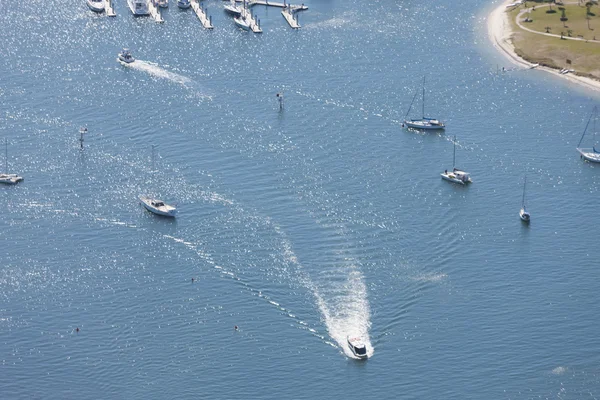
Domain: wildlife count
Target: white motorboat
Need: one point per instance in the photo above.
(7, 178)
(233, 8)
(424, 123)
(163, 3)
(126, 57)
(523, 214)
(456, 175)
(139, 7)
(588, 154)
(95, 5)
(184, 4)
(359, 349)
(158, 207)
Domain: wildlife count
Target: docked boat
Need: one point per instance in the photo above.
(233, 9)
(523, 214)
(184, 4)
(356, 345)
(5, 177)
(95, 5)
(425, 123)
(158, 207)
(456, 175)
(163, 3)
(126, 57)
(139, 7)
(242, 23)
(588, 154)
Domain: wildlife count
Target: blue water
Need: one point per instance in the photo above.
(301, 226)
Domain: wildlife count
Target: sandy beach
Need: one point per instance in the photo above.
(500, 32)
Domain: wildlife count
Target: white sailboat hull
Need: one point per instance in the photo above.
(524, 215)
(96, 6)
(241, 23)
(139, 7)
(589, 154)
(10, 179)
(425, 124)
(158, 207)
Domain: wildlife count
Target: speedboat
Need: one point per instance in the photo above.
(242, 23)
(457, 176)
(158, 207)
(139, 7)
(184, 4)
(126, 57)
(233, 8)
(10, 179)
(425, 123)
(163, 3)
(95, 5)
(357, 346)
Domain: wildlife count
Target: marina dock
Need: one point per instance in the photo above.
(204, 19)
(290, 17)
(155, 12)
(109, 9)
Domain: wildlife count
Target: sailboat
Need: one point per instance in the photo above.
(456, 175)
(233, 8)
(7, 178)
(425, 122)
(157, 206)
(523, 214)
(592, 154)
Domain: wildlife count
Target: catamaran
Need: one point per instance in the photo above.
(456, 175)
(592, 154)
(425, 123)
(7, 178)
(523, 214)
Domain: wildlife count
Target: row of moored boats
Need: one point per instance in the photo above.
(138, 7)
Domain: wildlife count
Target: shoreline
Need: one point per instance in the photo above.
(500, 32)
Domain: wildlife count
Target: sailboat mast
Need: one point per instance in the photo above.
(423, 106)
(524, 184)
(586, 125)
(6, 155)
(454, 156)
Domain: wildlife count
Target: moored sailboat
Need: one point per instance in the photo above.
(523, 214)
(425, 123)
(588, 154)
(456, 175)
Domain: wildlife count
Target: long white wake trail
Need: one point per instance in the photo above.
(158, 72)
(345, 308)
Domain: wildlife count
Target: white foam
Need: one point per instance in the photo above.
(559, 370)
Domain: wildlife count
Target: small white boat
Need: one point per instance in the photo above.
(126, 57)
(158, 207)
(456, 175)
(523, 214)
(163, 3)
(233, 8)
(184, 4)
(357, 346)
(424, 123)
(7, 178)
(139, 7)
(96, 5)
(588, 154)
(242, 23)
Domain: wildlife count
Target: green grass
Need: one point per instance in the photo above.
(553, 52)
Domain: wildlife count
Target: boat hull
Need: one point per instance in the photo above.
(233, 10)
(164, 211)
(241, 24)
(589, 155)
(96, 6)
(139, 7)
(524, 215)
(10, 179)
(184, 5)
(425, 124)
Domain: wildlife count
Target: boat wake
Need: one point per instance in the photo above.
(153, 69)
